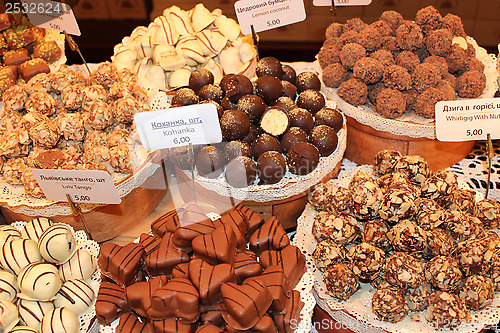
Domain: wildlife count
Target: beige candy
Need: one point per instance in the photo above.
(35, 228)
(31, 312)
(228, 27)
(23, 329)
(156, 78)
(144, 46)
(190, 48)
(8, 286)
(60, 320)
(247, 49)
(230, 61)
(166, 33)
(139, 31)
(211, 41)
(18, 253)
(11, 230)
(75, 295)
(180, 19)
(167, 57)
(216, 70)
(179, 78)
(216, 13)
(57, 244)
(142, 67)
(39, 281)
(8, 315)
(200, 17)
(81, 266)
(4, 238)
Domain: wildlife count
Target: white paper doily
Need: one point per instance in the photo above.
(88, 321)
(356, 313)
(411, 124)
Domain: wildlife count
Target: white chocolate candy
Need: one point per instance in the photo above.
(18, 253)
(60, 320)
(125, 57)
(35, 228)
(230, 61)
(142, 67)
(8, 315)
(190, 48)
(228, 27)
(57, 244)
(144, 46)
(179, 78)
(39, 281)
(139, 31)
(81, 266)
(216, 70)
(156, 78)
(165, 32)
(23, 329)
(211, 41)
(8, 286)
(167, 57)
(4, 238)
(247, 49)
(31, 312)
(11, 230)
(201, 17)
(180, 20)
(75, 295)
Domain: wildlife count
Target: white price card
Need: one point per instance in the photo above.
(83, 186)
(196, 124)
(268, 14)
(466, 120)
(342, 2)
(51, 15)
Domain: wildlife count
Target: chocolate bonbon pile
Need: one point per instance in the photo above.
(209, 277)
(421, 241)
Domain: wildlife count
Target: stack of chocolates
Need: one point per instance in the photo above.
(275, 124)
(196, 274)
(25, 50)
(64, 120)
(415, 235)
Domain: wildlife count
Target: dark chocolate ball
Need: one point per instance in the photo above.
(199, 78)
(253, 133)
(301, 118)
(184, 96)
(234, 149)
(271, 167)
(289, 74)
(227, 104)
(234, 125)
(330, 117)
(307, 80)
(210, 162)
(324, 138)
(241, 172)
(274, 121)
(302, 158)
(269, 88)
(291, 137)
(236, 86)
(311, 100)
(289, 89)
(211, 92)
(263, 143)
(286, 103)
(219, 108)
(253, 106)
(269, 66)
(179, 156)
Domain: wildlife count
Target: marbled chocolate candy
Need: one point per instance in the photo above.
(131, 323)
(162, 260)
(246, 265)
(110, 303)
(35, 228)
(270, 236)
(139, 294)
(57, 244)
(121, 263)
(216, 247)
(208, 279)
(39, 281)
(290, 259)
(16, 254)
(76, 295)
(289, 320)
(167, 222)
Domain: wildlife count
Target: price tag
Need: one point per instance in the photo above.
(342, 2)
(466, 120)
(51, 15)
(197, 124)
(83, 186)
(268, 14)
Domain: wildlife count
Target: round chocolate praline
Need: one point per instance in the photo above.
(253, 133)
(263, 143)
(286, 103)
(210, 162)
(302, 158)
(241, 172)
(324, 138)
(289, 74)
(269, 66)
(269, 88)
(253, 106)
(199, 78)
(234, 149)
(184, 96)
(311, 100)
(291, 137)
(274, 121)
(235, 86)
(307, 80)
(227, 104)
(234, 125)
(330, 117)
(220, 110)
(302, 118)
(289, 89)
(211, 92)
(271, 167)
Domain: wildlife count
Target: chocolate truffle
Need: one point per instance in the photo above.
(307, 80)
(302, 118)
(184, 96)
(409, 36)
(311, 100)
(227, 104)
(397, 77)
(445, 310)
(340, 281)
(324, 138)
(271, 166)
(353, 91)
(393, 18)
(367, 261)
(404, 271)
(425, 76)
(269, 66)
(39, 281)
(443, 273)
(368, 70)
(408, 60)
(426, 102)
(291, 137)
(390, 103)
(211, 92)
(350, 53)
(210, 162)
(234, 149)
(199, 78)
(471, 84)
(334, 74)
(269, 88)
(429, 19)
(385, 161)
(302, 158)
(274, 121)
(57, 244)
(289, 73)
(235, 125)
(263, 143)
(253, 133)
(253, 106)
(235, 86)
(241, 172)
(370, 38)
(286, 103)
(389, 304)
(289, 90)
(478, 292)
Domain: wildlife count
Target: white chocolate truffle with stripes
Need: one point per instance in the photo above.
(31, 312)
(4, 238)
(11, 230)
(81, 266)
(60, 320)
(57, 244)
(8, 286)
(39, 281)
(35, 228)
(23, 329)
(75, 295)
(18, 253)
(8, 315)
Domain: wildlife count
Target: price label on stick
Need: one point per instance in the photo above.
(342, 2)
(180, 126)
(83, 186)
(51, 15)
(466, 120)
(268, 14)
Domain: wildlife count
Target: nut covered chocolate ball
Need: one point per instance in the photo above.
(330, 117)
(241, 172)
(302, 158)
(184, 96)
(324, 138)
(271, 166)
(234, 125)
(253, 106)
(199, 78)
(210, 162)
(269, 88)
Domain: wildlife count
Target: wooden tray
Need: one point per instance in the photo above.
(364, 142)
